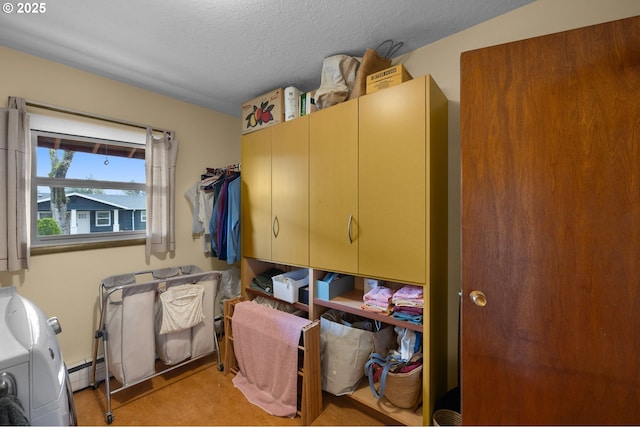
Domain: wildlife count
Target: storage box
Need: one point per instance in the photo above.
(334, 288)
(263, 111)
(286, 285)
(303, 295)
(386, 78)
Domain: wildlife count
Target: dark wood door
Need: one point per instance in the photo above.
(550, 147)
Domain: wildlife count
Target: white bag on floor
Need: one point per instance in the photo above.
(129, 328)
(177, 310)
(202, 334)
(344, 352)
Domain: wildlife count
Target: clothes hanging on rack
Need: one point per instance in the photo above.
(225, 221)
(215, 201)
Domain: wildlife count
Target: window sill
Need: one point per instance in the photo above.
(43, 250)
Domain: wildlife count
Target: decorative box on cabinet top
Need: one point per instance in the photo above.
(264, 111)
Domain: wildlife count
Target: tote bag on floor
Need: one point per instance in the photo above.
(344, 352)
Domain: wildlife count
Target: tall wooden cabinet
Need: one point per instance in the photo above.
(550, 145)
(256, 195)
(290, 192)
(333, 188)
(373, 176)
(275, 193)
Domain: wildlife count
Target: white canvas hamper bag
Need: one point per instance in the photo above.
(202, 334)
(177, 310)
(130, 348)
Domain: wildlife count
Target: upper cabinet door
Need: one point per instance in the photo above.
(290, 192)
(333, 187)
(256, 194)
(392, 183)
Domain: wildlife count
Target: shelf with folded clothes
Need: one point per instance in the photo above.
(351, 302)
(393, 303)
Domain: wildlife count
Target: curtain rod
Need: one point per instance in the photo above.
(96, 116)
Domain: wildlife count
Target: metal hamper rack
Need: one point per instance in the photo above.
(127, 296)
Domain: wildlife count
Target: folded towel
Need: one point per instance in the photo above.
(181, 307)
(379, 293)
(408, 295)
(11, 412)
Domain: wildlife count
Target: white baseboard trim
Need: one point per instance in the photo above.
(80, 373)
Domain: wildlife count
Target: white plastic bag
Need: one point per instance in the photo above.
(409, 342)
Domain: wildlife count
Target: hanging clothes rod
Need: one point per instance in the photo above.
(236, 167)
(95, 116)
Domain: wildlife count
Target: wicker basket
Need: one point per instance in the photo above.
(404, 389)
(446, 417)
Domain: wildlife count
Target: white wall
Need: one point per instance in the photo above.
(442, 60)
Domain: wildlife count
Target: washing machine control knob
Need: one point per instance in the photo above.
(55, 324)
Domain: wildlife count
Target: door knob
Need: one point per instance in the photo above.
(478, 298)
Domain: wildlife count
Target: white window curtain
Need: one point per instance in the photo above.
(161, 153)
(15, 186)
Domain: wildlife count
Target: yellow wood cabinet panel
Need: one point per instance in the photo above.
(392, 183)
(256, 194)
(290, 192)
(333, 188)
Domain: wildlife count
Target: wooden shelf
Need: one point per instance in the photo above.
(351, 302)
(364, 396)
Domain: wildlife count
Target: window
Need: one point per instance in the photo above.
(103, 218)
(87, 186)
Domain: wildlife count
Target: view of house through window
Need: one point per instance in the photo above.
(86, 189)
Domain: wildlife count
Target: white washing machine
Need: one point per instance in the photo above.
(31, 364)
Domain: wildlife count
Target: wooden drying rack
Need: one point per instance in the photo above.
(310, 384)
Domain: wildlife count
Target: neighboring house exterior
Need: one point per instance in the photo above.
(99, 213)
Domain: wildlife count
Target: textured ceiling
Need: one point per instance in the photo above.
(219, 53)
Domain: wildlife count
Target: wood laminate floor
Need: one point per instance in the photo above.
(199, 394)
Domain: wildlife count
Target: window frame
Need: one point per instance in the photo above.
(97, 220)
(56, 243)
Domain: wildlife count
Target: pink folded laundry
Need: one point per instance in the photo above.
(408, 292)
(379, 293)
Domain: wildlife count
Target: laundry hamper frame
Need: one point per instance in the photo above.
(131, 284)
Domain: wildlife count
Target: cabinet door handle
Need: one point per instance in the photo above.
(273, 226)
(349, 229)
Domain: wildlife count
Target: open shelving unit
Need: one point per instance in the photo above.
(349, 302)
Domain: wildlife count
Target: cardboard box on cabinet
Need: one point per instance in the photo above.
(386, 78)
(263, 111)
